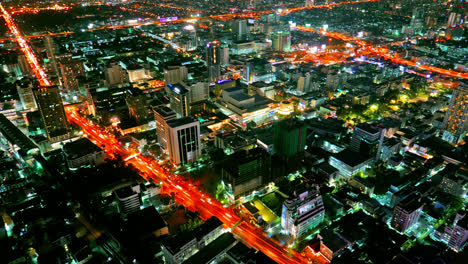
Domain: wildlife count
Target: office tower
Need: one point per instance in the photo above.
(224, 56)
(26, 95)
(137, 104)
(52, 113)
(24, 65)
(281, 41)
(367, 140)
(213, 53)
(105, 100)
(175, 74)
(189, 36)
(455, 124)
(162, 115)
(71, 69)
(50, 49)
(407, 212)
(179, 99)
(128, 200)
(199, 91)
(417, 20)
(289, 137)
(115, 75)
(239, 29)
(458, 233)
(303, 83)
(454, 20)
(213, 60)
(303, 210)
(245, 171)
(183, 140)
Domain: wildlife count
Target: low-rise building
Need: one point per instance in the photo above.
(81, 153)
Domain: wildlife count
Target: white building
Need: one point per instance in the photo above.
(183, 140)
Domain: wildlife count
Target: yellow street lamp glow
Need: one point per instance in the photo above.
(374, 107)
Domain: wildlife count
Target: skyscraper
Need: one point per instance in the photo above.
(367, 140)
(25, 92)
(137, 104)
(289, 137)
(213, 60)
(183, 140)
(455, 124)
(52, 113)
(281, 41)
(245, 171)
(179, 99)
(50, 49)
(239, 29)
(162, 115)
(303, 210)
(115, 74)
(24, 65)
(407, 213)
(70, 70)
(175, 74)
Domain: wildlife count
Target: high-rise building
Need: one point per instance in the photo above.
(24, 65)
(245, 171)
(137, 104)
(162, 115)
(302, 211)
(128, 200)
(199, 91)
(239, 29)
(26, 95)
(303, 83)
(224, 56)
(52, 112)
(455, 124)
(454, 19)
(289, 137)
(115, 74)
(458, 233)
(183, 140)
(417, 20)
(51, 54)
(407, 212)
(70, 70)
(281, 41)
(213, 60)
(179, 99)
(175, 74)
(367, 140)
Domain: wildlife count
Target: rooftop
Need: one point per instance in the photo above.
(80, 148)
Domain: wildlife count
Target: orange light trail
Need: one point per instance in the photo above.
(383, 52)
(185, 192)
(30, 57)
(191, 197)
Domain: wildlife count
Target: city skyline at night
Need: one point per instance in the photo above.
(247, 131)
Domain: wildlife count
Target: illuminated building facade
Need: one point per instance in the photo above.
(245, 171)
(281, 41)
(137, 104)
(52, 112)
(162, 115)
(367, 140)
(25, 93)
(180, 99)
(407, 213)
(183, 140)
(213, 60)
(455, 124)
(302, 211)
(115, 75)
(348, 162)
(175, 74)
(70, 70)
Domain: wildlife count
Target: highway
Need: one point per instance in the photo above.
(26, 49)
(383, 52)
(190, 196)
